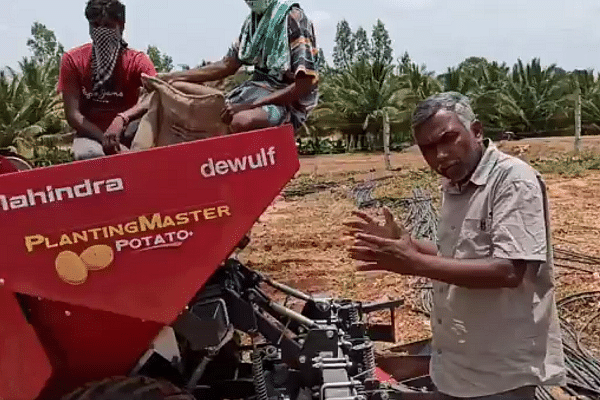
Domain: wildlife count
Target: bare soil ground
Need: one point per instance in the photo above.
(300, 239)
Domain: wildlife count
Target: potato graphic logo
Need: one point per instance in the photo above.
(70, 268)
(97, 257)
(73, 268)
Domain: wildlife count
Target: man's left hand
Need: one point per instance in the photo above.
(112, 136)
(383, 254)
(231, 109)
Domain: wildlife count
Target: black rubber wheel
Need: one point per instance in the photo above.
(129, 388)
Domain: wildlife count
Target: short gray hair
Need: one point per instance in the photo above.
(451, 101)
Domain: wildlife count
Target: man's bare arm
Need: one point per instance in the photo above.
(212, 72)
(425, 246)
(403, 257)
(485, 273)
(76, 120)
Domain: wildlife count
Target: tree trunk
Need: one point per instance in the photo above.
(386, 142)
(577, 118)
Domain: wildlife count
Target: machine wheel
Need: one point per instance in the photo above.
(129, 388)
(19, 163)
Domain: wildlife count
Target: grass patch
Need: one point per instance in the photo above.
(570, 165)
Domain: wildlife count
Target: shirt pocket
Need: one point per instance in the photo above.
(475, 240)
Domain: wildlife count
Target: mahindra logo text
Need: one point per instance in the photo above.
(35, 197)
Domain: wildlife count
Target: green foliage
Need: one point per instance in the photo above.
(345, 46)
(313, 146)
(533, 95)
(29, 104)
(416, 84)
(321, 62)
(569, 165)
(43, 44)
(162, 62)
(357, 96)
(45, 156)
(363, 47)
(381, 45)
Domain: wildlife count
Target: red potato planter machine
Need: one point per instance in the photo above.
(118, 282)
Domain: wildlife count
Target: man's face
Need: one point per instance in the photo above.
(107, 23)
(258, 6)
(448, 147)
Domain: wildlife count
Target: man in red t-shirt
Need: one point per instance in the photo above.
(100, 83)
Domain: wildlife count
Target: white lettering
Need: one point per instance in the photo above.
(18, 202)
(237, 164)
(264, 158)
(207, 170)
(31, 196)
(114, 185)
(120, 244)
(271, 154)
(83, 190)
(67, 190)
(258, 163)
(86, 188)
(221, 167)
(182, 235)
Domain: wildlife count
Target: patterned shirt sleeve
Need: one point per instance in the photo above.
(303, 44)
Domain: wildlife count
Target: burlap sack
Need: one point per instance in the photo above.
(175, 117)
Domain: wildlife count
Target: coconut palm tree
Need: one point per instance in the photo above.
(29, 105)
(533, 97)
(356, 99)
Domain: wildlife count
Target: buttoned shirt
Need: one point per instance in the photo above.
(488, 341)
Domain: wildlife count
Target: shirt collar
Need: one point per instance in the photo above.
(482, 172)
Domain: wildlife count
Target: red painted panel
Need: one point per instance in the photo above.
(136, 234)
(24, 367)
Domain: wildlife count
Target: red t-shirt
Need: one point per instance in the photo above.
(76, 74)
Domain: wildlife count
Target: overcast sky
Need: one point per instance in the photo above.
(439, 33)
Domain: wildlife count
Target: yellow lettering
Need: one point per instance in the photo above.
(65, 240)
(115, 230)
(95, 232)
(209, 213)
(168, 221)
(223, 210)
(182, 219)
(131, 227)
(195, 214)
(48, 245)
(150, 225)
(77, 236)
(105, 232)
(34, 240)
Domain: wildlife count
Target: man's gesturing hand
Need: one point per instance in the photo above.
(367, 225)
(382, 254)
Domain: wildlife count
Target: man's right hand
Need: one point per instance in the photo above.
(367, 225)
(112, 136)
(168, 77)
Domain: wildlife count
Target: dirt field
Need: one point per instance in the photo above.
(300, 239)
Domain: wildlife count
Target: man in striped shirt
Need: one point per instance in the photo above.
(278, 40)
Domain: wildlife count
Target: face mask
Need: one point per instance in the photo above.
(107, 44)
(258, 6)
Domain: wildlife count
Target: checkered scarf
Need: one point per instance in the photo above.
(106, 47)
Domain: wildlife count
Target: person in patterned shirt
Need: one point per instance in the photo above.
(278, 40)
